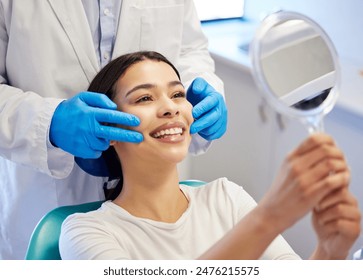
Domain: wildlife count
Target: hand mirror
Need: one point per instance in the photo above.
(296, 65)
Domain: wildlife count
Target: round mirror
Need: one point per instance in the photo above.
(296, 65)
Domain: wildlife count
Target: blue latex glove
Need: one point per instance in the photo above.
(209, 110)
(77, 125)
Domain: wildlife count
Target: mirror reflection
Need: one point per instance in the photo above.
(295, 63)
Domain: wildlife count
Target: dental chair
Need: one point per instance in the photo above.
(43, 243)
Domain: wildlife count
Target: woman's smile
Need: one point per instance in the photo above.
(170, 132)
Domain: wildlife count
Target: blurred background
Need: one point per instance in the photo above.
(258, 138)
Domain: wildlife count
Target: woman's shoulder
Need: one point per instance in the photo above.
(91, 217)
(218, 188)
(224, 182)
(220, 184)
(221, 196)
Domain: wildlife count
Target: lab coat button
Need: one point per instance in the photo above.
(106, 12)
(106, 55)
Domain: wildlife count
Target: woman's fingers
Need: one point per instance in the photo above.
(318, 163)
(339, 205)
(337, 196)
(320, 171)
(308, 175)
(340, 216)
(345, 228)
(312, 194)
(317, 150)
(311, 143)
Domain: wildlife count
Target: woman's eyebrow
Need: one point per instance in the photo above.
(175, 83)
(142, 86)
(150, 86)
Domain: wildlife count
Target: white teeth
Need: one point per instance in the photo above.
(170, 131)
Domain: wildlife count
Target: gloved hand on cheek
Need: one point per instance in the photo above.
(209, 110)
(78, 125)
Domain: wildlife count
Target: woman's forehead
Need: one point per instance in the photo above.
(147, 71)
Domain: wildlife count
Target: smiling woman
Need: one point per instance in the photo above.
(135, 87)
(154, 217)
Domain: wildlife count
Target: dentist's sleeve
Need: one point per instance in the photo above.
(195, 61)
(24, 124)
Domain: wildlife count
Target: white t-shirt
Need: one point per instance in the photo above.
(112, 233)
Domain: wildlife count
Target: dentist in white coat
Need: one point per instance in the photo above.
(49, 52)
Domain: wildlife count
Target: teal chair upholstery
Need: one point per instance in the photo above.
(43, 243)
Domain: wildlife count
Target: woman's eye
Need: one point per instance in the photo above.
(143, 99)
(179, 94)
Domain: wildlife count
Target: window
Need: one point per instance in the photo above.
(219, 9)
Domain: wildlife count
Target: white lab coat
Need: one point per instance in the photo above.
(47, 55)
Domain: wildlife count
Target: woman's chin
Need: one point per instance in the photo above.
(174, 156)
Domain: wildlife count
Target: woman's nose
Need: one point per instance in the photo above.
(168, 108)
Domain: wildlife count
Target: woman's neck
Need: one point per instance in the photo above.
(153, 193)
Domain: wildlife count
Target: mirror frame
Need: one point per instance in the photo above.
(266, 25)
